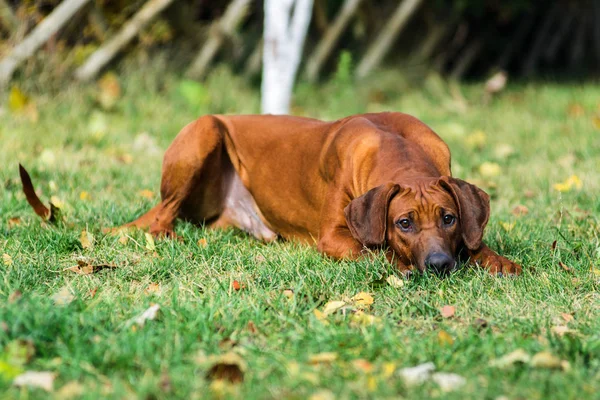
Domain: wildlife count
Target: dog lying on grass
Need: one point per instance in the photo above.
(371, 181)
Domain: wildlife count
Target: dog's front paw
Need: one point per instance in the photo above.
(501, 266)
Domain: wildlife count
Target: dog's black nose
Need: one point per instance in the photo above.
(439, 262)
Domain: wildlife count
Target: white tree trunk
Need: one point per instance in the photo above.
(40, 34)
(286, 24)
(106, 52)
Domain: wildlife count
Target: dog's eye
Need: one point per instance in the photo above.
(449, 219)
(404, 224)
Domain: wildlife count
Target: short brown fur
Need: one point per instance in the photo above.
(345, 186)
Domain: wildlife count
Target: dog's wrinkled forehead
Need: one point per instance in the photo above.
(425, 196)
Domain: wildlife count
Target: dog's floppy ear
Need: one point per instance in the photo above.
(473, 208)
(366, 215)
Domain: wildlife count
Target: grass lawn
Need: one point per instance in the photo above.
(102, 167)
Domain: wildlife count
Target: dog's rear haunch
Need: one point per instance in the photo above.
(371, 181)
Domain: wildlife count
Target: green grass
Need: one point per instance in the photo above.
(92, 342)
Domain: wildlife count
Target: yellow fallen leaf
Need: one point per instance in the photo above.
(371, 383)
(575, 110)
(388, 369)
(545, 359)
(57, 202)
(503, 151)
(148, 194)
(361, 318)
(490, 169)
(84, 195)
(332, 307)
(517, 356)
(572, 182)
(323, 358)
(7, 259)
(596, 122)
(508, 226)
(322, 394)
(86, 239)
(149, 242)
(110, 90)
(17, 100)
(363, 299)
(445, 339)
(123, 238)
(476, 140)
(320, 316)
(394, 281)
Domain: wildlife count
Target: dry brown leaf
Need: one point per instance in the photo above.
(47, 214)
(37, 379)
(229, 367)
(567, 317)
(251, 326)
(520, 210)
(14, 296)
(363, 365)
(109, 90)
(323, 358)
(565, 268)
(447, 311)
(202, 242)
(83, 267)
(14, 221)
(575, 110)
(153, 288)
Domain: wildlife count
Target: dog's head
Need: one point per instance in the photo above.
(425, 223)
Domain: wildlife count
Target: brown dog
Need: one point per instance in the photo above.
(362, 182)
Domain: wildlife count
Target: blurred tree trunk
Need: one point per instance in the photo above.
(330, 38)
(285, 27)
(234, 15)
(40, 34)
(382, 44)
(106, 52)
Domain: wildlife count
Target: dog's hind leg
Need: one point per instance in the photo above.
(191, 183)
